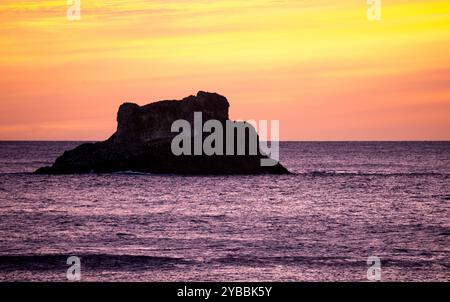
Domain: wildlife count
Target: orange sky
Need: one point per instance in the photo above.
(320, 67)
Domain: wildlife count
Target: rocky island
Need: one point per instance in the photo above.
(143, 143)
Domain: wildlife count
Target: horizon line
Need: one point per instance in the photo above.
(281, 141)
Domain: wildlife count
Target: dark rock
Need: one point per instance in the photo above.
(142, 143)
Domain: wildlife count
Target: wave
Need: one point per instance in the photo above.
(309, 173)
(26, 162)
(55, 262)
(334, 261)
(407, 174)
(130, 263)
(131, 173)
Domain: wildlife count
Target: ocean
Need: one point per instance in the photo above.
(344, 202)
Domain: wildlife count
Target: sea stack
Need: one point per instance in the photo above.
(143, 143)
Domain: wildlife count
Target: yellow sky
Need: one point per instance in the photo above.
(320, 67)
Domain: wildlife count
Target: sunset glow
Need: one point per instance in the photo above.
(320, 67)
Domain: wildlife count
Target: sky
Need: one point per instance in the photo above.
(320, 67)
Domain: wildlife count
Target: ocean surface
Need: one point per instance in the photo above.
(346, 201)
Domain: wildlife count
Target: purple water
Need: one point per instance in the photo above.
(346, 201)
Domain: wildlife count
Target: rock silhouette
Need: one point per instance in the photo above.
(142, 143)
